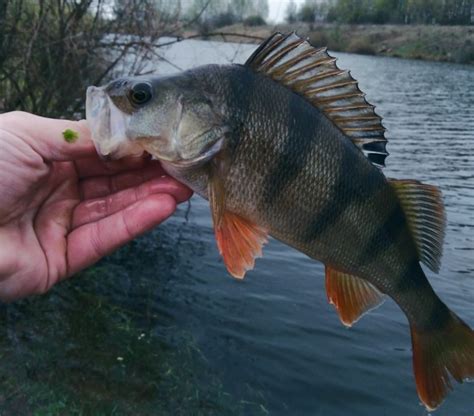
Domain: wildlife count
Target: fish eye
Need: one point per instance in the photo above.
(140, 93)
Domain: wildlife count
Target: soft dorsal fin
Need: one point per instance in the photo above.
(350, 295)
(424, 210)
(313, 73)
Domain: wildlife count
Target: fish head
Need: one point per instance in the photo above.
(172, 118)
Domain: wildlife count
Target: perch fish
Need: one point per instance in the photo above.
(286, 145)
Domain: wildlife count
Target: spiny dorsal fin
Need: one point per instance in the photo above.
(424, 209)
(350, 295)
(313, 73)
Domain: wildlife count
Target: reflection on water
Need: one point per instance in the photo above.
(160, 328)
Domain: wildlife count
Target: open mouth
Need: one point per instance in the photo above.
(108, 126)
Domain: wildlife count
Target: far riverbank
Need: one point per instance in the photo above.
(426, 42)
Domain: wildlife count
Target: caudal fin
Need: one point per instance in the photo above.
(438, 353)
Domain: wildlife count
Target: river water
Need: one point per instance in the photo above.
(161, 328)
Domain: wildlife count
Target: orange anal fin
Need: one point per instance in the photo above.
(239, 242)
(351, 295)
(438, 353)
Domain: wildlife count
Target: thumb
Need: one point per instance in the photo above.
(47, 136)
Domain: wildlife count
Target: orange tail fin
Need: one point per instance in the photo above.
(438, 353)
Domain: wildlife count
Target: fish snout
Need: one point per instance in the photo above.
(108, 125)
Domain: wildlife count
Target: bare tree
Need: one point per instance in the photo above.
(50, 50)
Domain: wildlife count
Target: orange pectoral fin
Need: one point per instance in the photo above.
(239, 242)
(351, 295)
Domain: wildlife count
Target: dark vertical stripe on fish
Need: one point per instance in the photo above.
(413, 281)
(391, 232)
(439, 317)
(340, 201)
(412, 277)
(241, 88)
(296, 149)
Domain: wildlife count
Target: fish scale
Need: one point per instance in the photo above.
(286, 145)
(312, 151)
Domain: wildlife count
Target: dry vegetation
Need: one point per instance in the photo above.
(51, 50)
(429, 42)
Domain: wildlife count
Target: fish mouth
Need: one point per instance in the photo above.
(108, 126)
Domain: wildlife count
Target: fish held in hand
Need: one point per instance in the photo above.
(286, 145)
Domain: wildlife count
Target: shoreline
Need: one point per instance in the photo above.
(453, 44)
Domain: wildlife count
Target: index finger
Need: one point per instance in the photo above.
(95, 166)
(46, 135)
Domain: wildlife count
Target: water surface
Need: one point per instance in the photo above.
(160, 327)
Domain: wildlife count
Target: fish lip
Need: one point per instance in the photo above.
(108, 125)
(95, 107)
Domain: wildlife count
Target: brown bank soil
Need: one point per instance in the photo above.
(427, 42)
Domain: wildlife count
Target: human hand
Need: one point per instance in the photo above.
(62, 208)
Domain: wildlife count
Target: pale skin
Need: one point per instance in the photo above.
(62, 208)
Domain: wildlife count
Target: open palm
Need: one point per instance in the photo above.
(62, 208)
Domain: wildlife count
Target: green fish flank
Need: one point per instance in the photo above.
(287, 146)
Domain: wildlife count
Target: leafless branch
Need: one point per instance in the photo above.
(224, 36)
(50, 50)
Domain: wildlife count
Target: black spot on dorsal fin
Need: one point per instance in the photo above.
(313, 73)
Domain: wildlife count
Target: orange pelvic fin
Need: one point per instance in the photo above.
(351, 295)
(239, 242)
(438, 353)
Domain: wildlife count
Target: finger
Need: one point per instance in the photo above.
(93, 210)
(45, 135)
(95, 166)
(91, 242)
(106, 185)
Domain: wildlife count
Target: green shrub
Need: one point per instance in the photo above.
(221, 20)
(254, 21)
(318, 38)
(363, 46)
(465, 55)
